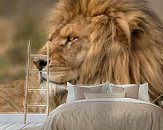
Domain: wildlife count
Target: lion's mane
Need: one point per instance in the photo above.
(127, 42)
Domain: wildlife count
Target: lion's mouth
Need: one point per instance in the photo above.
(43, 78)
(59, 77)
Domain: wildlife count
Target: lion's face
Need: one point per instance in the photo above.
(68, 48)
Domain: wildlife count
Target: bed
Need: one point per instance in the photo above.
(106, 114)
(106, 107)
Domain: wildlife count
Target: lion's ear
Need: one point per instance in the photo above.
(132, 26)
(137, 24)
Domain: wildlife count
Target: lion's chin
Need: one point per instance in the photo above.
(53, 87)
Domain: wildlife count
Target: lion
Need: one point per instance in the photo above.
(98, 41)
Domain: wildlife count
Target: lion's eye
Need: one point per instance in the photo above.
(70, 39)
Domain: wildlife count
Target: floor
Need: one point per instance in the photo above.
(15, 121)
(17, 126)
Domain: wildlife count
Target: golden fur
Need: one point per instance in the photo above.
(97, 41)
(11, 96)
(119, 41)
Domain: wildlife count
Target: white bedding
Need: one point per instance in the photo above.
(106, 114)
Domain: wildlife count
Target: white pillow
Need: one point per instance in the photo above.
(104, 95)
(143, 91)
(71, 90)
(71, 93)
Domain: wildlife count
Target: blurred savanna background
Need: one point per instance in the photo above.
(20, 21)
(24, 20)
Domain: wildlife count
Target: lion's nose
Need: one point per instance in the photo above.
(40, 63)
